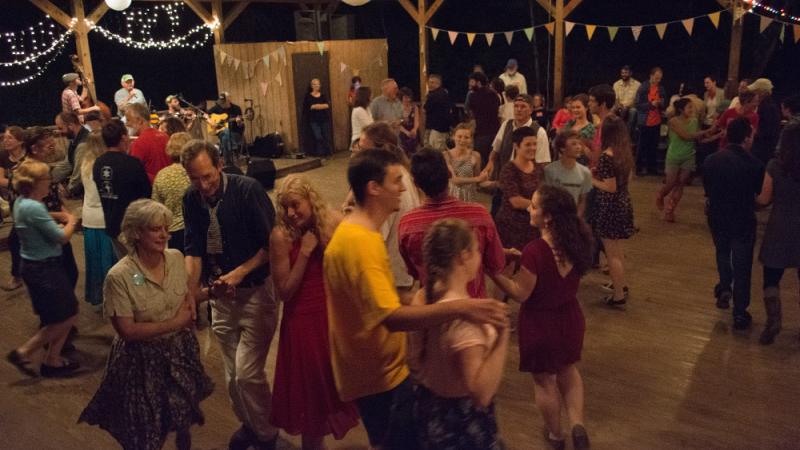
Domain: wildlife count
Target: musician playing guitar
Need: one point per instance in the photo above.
(231, 137)
(70, 100)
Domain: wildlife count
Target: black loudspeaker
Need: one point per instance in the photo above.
(263, 170)
(269, 146)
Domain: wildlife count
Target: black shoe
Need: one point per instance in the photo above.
(724, 299)
(21, 364)
(742, 321)
(63, 371)
(611, 301)
(242, 439)
(555, 444)
(610, 288)
(580, 439)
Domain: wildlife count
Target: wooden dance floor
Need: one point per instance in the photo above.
(669, 372)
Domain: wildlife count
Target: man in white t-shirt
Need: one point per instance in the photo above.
(511, 76)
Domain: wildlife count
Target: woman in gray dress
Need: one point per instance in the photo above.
(780, 248)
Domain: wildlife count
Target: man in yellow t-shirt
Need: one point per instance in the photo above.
(365, 316)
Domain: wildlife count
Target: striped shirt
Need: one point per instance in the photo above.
(415, 224)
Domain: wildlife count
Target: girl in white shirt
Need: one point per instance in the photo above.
(360, 117)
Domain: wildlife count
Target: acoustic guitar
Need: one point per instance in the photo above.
(105, 111)
(217, 123)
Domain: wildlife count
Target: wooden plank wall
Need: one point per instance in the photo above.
(275, 111)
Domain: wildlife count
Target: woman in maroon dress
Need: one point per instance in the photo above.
(304, 400)
(551, 323)
(519, 178)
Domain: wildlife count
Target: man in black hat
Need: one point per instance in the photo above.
(70, 100)
(231, 135)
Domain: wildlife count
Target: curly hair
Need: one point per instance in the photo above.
(443, 242)
(300, 186)
(572, 237)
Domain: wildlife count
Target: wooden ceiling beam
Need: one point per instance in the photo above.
(432, 10)
(234, 13)
(54, 11)
(98, 12)
(571, 7)
(547, 6)
(411, 10)
(200, 10)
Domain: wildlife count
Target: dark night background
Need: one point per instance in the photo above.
(684, 58)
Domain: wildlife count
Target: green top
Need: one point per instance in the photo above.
(680, 149)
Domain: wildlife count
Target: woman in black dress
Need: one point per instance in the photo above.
(612, 218)
(316, 110)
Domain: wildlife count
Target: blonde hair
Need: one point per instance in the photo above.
(300, 186)
(93, 147)
(28, 174)
(469, 126)
(141, 214)
(175, 145)
(444, 241)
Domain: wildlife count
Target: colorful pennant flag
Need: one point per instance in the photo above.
(470, 38)
(714, 18)
(434, 33)
(590, 30)
(636, 32)
(550, 27)
(266, 61)
(236, 63)
(279, 79)
(689, 25)
(612, 32)
(765, 22)
(529, 33)
(509, 36)
(489, 38)
(452, 35)
(569, 26)
(321, 47)
(342, 67)
(275, 55)
(264, 86)
(661, 28)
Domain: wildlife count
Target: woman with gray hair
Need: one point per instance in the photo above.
(154, 380)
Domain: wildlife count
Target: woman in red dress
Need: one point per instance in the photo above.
(304, 400)
(551, 323)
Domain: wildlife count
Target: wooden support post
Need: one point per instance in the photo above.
(422, 14)
(216, 11)
(234, 13)
(735, 55)
(558, 68)
(200, 10)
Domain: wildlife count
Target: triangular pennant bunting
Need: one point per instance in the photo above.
(236, 63)
(590, 30)
(636, 32)
(529, 33)
(765, 22)
(550, 27)
(231, 60)
(279, 79)
(796, 31)
(689, 25)
(252, 71)
(264, 86)
(275, 56)
(489, 38)
(222, 57)
(470, 38)
(452, 35)
(282, 53)
(569, 26)
(738, 12)
(266, 61)
(509, 36)
(321, 47)
(661, 28)
(612, 32)
(434, 33)
(714, 18)
(246, 69)
(342, 67)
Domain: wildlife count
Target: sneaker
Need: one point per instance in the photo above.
(611, 301)
(580, 439)
(742, 321)
(724, 299)
(555, 443)
(63, 371)
(610, 287)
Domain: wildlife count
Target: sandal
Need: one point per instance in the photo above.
(610, 301)
(20, 363)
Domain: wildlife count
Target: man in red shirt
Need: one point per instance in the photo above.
(748, 103)
(150, 145)
(431, 175)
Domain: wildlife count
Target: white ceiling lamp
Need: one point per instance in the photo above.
(118, 5)
(355, 2)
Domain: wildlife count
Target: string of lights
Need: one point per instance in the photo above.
(780, 13)
(22, 42)
(140, 25)
(39, 71)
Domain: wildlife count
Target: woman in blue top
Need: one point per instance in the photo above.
(50, 289)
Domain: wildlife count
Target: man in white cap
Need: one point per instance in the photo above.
(70, 100)
(769, 121)
(511, 76)
(127, 94)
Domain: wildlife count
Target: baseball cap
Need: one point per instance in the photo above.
(68, 78)
(511, 63)
(223, 96)
(127, 77)
(761, 84)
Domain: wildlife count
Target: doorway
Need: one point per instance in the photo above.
(307, 66)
